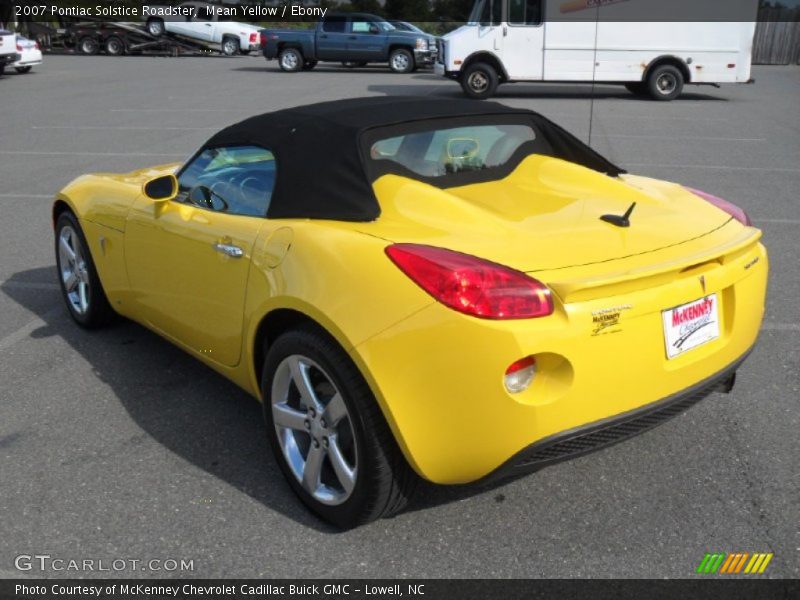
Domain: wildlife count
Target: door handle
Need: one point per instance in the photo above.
(229, 250)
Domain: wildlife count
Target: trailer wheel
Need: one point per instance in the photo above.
(230, 46)
(88, 45)
(309, 64)
(115, 46)
(155, 27)
(290, 60)
(479, 81)
(401, 61)
(665, 83)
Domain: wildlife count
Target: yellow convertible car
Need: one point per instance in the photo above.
(420, 288)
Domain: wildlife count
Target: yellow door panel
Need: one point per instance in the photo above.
(185, 280)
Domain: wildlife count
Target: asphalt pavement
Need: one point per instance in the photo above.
(116, 445)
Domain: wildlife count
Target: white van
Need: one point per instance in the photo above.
(565, 41)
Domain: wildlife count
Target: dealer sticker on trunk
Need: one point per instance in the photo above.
(691, 325)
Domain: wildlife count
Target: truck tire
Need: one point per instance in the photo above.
(479, 81)
(230, 46)
(2, 70)
(665, 83)
(401, 61)
(290, 60)
(115, 46)
(20, 70)
(88, 45)
(155, 27)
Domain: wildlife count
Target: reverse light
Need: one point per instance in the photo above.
(471, 285)
(733, 210)
(519, 375)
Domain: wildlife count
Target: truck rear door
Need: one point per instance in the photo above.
(332, 37)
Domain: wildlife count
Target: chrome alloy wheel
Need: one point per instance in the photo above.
(314, 430)
(667, 83)
(478, 81)
(74, 270)
(400, 62)
(290, 61)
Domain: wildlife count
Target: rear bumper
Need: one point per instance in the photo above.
(599, 435)
(438, 375)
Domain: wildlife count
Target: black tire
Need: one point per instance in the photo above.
(88, 45)
(384, 481)
(2, 70)
(156, 27)
(98, 312)
(230, 46)
(21, 70)
(290, 60)
(401, 60)
(479, 81)
(665, 83)
(115, 46)
(309, 64)
(637, 88)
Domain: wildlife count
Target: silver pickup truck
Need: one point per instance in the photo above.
(203, 22)
(8, 49)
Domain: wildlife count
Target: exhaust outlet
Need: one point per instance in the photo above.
(726, 386)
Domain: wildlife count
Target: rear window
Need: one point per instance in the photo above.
(452, 152)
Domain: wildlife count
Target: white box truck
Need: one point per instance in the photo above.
(598, 40)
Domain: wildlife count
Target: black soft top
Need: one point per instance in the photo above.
(320, 155)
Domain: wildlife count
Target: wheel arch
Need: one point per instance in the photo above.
(668, 59)
(487, 57)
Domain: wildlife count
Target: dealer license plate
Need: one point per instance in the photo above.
(691, 325)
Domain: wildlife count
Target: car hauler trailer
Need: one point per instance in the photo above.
(608, 41)
(113, 38)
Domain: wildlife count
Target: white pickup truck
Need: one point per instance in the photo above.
(8, 49)
(206, 23)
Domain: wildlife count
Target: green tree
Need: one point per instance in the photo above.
(408, 10)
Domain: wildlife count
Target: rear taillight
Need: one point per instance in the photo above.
(19, 48)
(733, 210)
(253, 38)
(36, 45)
(519, 375)
(263, 39)
(472, 285)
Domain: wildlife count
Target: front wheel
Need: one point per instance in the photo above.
(327, 433)
(21, 70)
(479, 81)
(80, 285)
(665, 83)
(401, 61)
(230, 46)
(156, 28)
(290, 60)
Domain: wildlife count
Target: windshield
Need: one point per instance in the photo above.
(385, 25)
(486, 12)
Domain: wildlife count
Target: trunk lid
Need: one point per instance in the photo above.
(546, 216)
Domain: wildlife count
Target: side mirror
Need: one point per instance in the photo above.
(161, 188)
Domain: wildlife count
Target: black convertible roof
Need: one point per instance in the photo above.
(318, 151)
